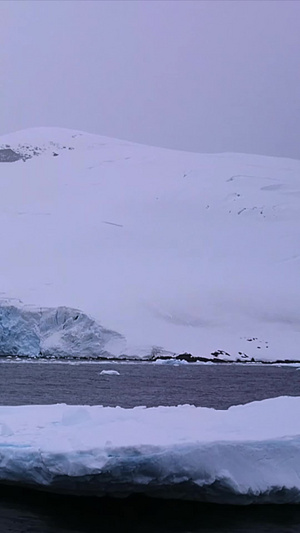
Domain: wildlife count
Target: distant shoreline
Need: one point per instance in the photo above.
(164, 360)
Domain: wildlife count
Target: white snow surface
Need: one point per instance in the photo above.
(175, 252)
(247, 454)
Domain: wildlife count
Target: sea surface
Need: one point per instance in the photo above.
(217, 386)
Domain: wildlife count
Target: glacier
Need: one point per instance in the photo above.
(62, 331)
(246, 454)
(174, 252)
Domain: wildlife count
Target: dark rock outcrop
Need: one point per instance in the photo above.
(7, 155)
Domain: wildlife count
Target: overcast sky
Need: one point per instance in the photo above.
(208, 76)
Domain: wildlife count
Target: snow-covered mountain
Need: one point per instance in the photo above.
(169, 252)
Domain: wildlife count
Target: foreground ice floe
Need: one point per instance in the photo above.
(247, 454)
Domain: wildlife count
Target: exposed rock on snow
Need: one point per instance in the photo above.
(9, 156)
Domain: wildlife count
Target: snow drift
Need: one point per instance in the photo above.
(247, 454)
(174, 251)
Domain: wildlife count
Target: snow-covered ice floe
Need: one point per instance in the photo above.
(247, 454)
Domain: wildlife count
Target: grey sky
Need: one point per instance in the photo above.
(205, 76)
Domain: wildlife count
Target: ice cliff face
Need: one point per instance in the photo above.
(61, 332)
(247, 454)
(194, 253)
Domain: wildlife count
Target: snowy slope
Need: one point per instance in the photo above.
(247, 454)
(187, 252)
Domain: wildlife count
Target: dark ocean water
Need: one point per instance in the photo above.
(215, 386)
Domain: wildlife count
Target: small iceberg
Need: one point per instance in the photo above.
(173, 362)
(110, 372)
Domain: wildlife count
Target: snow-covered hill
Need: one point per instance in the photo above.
(171, 252)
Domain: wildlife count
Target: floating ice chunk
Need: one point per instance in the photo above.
(110, 372)
(173, 362)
